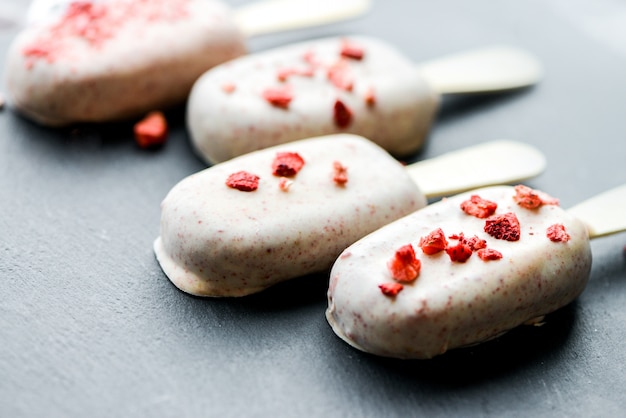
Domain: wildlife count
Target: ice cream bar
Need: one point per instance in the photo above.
(98, 61)
(357, 84)
(251, 222)
(464, 270)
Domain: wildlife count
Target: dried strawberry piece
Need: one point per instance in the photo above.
(434, 242)
(390, 289)
(95, 23)
(278, 96)
(151, 131)
(340, 173)
(404, 266)
(479, 207)
(340, 76)
(352, 51)
(557, 233)
(489, 254)
(546, 199)
(287, 164)
(342, 114)
(459, 253)
(44, 49)
(504, 227)
(370, 97)
(474, 242)
(310, 58)
(532, 199)
(228, 87)
(284, 73)
(284, 184)
(526, 197)
(243, 181)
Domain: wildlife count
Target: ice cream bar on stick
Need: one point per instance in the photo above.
(244, 225)
(99, 61)
(357, 84)
(466, 270)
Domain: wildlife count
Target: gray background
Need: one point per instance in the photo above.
(90, 326)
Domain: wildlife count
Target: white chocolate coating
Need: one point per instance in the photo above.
(146, 59)
(219, 241)
(225, 123)
(454, 304)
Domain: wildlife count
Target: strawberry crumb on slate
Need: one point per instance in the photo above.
(151, 131)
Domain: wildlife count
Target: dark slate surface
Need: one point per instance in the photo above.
(90, 326)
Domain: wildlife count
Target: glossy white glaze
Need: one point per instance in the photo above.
(227, 122)
(219, 241)
(453, 304)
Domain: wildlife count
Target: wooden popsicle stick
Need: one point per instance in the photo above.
(485, 70)
(603, 214)
(269, 16)
(486, 164)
